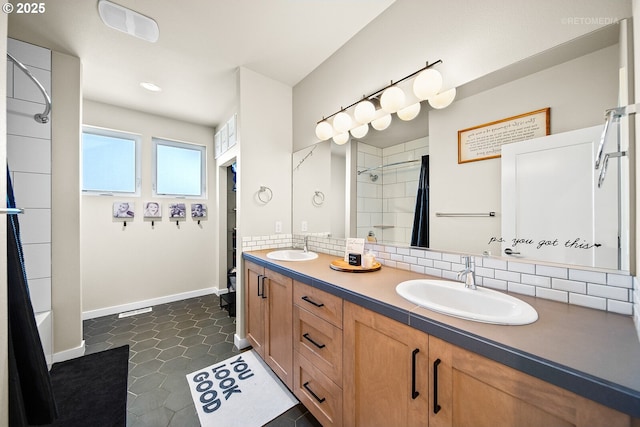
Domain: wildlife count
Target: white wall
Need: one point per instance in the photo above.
(578, 93)
(140, 264)
(265, 153)
(66, 295)
(264, 159)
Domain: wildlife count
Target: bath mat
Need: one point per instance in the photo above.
(240, 391)
(92, 390)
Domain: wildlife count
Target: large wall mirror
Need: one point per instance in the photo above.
(369, 186)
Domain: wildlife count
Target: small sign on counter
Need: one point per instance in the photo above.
(355, 246)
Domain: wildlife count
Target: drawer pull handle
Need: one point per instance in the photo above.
(436, 407)
(313, 342)
(315, 396)
(414, 393)
(310, 301)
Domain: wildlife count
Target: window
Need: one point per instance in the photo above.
(179, 169)
(110, 161)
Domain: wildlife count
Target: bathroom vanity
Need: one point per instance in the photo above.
(356, 353)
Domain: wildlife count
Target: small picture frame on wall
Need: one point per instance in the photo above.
(152, 210)
(177, 210)
(198, 210)
(123, 209)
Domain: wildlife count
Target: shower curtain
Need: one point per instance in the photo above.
(31, 400)
(420, 233)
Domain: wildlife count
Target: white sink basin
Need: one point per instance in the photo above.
(292, 255)
(480, 305)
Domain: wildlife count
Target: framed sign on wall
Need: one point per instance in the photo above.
(485, 141)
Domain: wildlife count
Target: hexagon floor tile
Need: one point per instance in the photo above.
(165, 345)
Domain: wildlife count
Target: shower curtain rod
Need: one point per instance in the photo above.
(389, 164)
(44, 116)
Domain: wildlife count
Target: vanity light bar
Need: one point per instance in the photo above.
(439, 61)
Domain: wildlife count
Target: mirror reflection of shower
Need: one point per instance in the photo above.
(387, 186)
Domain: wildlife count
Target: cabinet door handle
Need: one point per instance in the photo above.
(436, 407)
(315, 396)
(414, 392)
(263, 295)
(260, 276)
(313, 342)
(310, 301)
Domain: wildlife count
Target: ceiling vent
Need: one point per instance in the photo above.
(128, 21)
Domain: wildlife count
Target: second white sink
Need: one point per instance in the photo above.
(480, 305)
(292, 255)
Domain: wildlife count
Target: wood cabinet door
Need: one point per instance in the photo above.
(475, 391)
(278, 296)
(255, 306)
(385, 371)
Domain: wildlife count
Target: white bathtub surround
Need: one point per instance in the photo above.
(29, 160)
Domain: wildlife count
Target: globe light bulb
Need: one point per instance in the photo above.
(324, 131)
(392, 99)
(410, 112)
(341, 138)
(360, 131)
(381, 123)
(427, 84)
(364, 112)
(443, 100)
(342, 122)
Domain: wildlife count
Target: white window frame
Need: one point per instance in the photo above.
(184, 145)
(138, 159)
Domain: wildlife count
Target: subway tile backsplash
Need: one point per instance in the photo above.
(606, 291)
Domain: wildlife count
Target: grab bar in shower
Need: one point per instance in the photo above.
(11, 211)
(44, 116)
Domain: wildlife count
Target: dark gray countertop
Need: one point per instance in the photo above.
(592, 353)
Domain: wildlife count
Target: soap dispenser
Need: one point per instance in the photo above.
(368, 260)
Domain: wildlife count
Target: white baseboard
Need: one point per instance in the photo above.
(69, 354)
(240, 343)
(91, 314)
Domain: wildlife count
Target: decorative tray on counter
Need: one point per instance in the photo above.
(342, 265)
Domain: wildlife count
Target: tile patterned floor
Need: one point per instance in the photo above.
(165, 344)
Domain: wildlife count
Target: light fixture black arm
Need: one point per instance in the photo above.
(439, 61)
(44, 116)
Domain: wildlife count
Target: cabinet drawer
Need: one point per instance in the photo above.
(318, 341)
(322, 304)
(321, 396)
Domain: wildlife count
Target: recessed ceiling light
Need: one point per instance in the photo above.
(151, 86)
(128, 21)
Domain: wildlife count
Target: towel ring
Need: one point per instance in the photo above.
(265, 194)
(318, 198)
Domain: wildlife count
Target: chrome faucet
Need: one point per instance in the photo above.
(468, 272)
(305, 248)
